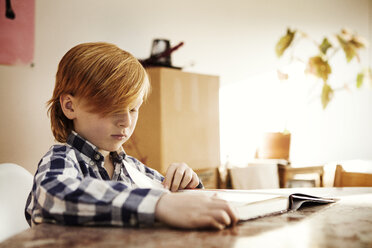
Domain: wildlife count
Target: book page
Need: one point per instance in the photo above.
(140, 179)
(236, 197)
(249, 205)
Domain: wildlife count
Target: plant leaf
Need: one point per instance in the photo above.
(358, 42)
(359, 81)
(348, 48)
(327, 94)
(319, 67)
(324, 46)
(284, 42)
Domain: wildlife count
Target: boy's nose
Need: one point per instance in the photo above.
(125, 120)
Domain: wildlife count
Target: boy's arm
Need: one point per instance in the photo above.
(62, 195)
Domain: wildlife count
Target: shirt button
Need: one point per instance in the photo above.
(97, 156)
(91, 163)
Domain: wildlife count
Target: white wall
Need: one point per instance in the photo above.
(231, 38)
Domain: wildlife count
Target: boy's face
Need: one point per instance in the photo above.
(108, 133)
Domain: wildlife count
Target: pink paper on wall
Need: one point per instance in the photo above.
(17, 35)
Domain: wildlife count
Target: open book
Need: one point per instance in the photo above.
(252, 205)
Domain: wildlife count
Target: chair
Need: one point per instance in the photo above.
(15, 184)
(287, 173)
(351, 179)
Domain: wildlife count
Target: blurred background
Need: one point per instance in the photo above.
(233, 39)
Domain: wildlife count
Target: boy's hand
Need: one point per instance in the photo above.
(189, 211)
(180, 176)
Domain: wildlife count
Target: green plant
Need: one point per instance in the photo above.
(318, 64)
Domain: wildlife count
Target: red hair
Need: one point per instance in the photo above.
(107, 77)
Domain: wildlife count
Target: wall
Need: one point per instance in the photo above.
(233, 39)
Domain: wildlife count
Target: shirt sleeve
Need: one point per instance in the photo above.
(62, 195)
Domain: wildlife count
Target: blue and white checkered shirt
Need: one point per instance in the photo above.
(72, 187)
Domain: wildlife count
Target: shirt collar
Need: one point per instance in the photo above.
(118, 156)
(90, 150)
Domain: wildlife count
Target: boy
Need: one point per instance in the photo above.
(88, 179)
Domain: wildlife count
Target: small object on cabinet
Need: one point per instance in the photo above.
(161, 54)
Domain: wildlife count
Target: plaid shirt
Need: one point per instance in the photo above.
(72, 187)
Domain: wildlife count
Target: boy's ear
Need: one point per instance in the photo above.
(68, 103)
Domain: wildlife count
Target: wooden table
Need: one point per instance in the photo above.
(346, 223)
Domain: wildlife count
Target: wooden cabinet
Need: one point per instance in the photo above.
(179, 122)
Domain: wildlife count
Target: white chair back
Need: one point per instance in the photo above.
(15, 185)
